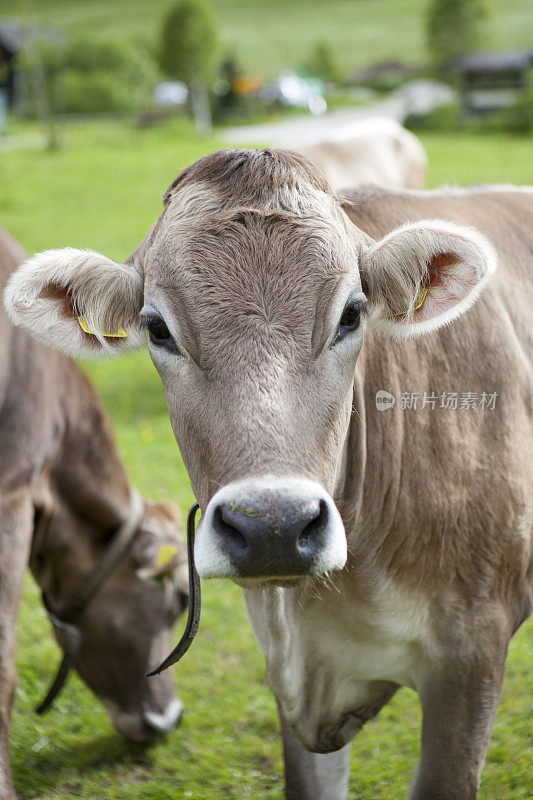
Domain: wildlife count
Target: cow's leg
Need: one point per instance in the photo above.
(313, 776)
(459, 702)
(16, 516)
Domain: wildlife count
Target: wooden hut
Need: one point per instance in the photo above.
(491, 81)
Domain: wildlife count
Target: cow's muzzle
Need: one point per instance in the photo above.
(145, 725)
(270, 528)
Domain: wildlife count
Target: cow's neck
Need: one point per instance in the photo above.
(368, 486)
(88, 474)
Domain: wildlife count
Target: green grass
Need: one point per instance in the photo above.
(273, 35)
(103, 191)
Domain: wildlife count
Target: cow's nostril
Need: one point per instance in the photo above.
(268, 527)
(226, 519)
(311, 538)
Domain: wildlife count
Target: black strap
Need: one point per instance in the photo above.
(78, 602)
(195, 600)
(71, 648)
(114, 553)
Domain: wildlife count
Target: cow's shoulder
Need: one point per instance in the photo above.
(493, 209)
(35, 382)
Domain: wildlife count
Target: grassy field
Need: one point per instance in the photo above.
(102, 191)
(262, 34)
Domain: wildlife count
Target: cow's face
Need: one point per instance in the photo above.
(253, 290)
(127, 627)
(255, 318)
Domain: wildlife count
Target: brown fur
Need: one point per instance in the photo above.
(249, 265)
(468, 458)
(435, 500)
(63, 493)
(233, 174)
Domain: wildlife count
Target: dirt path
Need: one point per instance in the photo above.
(417, 96)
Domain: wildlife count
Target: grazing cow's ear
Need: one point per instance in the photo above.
(78, 301)
(422, 276)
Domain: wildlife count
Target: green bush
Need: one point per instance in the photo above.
(98, 91)
(94, 76)
(518, 118)
(114, 76)
(322, 63)
(444, 118)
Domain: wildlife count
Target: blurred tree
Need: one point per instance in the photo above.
(322, 62)
(187, 52)
(39, 62)
(455, 28)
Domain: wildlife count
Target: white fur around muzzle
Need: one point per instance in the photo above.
(212, 561)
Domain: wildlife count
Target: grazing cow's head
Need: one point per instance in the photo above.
(127, 627)
(254, 290)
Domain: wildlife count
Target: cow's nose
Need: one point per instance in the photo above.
(270, 528)
(261, 540)
(162, 723)
(142, 726)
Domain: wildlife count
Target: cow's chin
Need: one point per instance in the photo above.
(281, 581)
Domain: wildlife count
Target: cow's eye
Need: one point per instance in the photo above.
(349, 321)
(159, 333)
(351, 316)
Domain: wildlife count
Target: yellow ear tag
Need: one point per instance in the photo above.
(419, 301)
(165, 554)
(421, 297)
(121, 334)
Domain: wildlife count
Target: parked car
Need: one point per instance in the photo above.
(170, 94)
(297, 92)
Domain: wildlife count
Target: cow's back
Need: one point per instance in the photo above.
(374, 151)
(29, 408)
(54, 433)
(38, 388)
(454, 488)
(503, 214)
(11, 254)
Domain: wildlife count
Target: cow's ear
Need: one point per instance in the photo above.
(423, 275)
(78, 301)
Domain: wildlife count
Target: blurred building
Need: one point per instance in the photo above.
(492, 81)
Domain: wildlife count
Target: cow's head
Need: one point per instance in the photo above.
(254, 291)
(127, 627)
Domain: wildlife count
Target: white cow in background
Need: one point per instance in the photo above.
(377, 150)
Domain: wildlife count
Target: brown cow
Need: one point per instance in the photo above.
(256, 287)
(63, 495)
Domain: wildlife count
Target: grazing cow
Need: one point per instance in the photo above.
(378, 151)
(65, 509)
(283, 325)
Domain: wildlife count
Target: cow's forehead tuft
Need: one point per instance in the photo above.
(298, 231)
(252, 176)
(199, 206)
